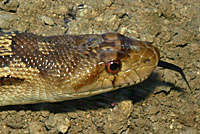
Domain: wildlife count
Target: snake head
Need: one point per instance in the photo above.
(127, 61)
(113, 61)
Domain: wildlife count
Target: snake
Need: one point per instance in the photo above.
(37, 69)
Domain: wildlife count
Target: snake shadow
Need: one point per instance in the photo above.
(135, 93)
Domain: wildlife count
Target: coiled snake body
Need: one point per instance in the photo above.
(36, 69)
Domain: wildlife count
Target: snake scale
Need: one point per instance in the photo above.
(35, 69)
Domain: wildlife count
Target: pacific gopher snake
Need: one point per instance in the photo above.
(36, 69)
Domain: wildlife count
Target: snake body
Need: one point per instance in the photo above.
(35, 69)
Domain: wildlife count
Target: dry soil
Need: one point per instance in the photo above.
(163, 104)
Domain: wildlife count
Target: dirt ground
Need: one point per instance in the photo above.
(163, 104)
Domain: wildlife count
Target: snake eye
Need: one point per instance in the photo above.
(113, 67)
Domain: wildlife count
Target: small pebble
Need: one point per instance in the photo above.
(59, 122)
(36, 128)
(47, 20)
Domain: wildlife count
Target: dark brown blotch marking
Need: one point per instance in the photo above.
(10, 81)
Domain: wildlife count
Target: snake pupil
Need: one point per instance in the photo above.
(114, 66)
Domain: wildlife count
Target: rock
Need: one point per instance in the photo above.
(9, 5)
(119, 114)
(47, 20)
(15, 121)
(36, 128)
(59, 122)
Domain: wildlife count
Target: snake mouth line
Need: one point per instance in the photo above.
(99, 91)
